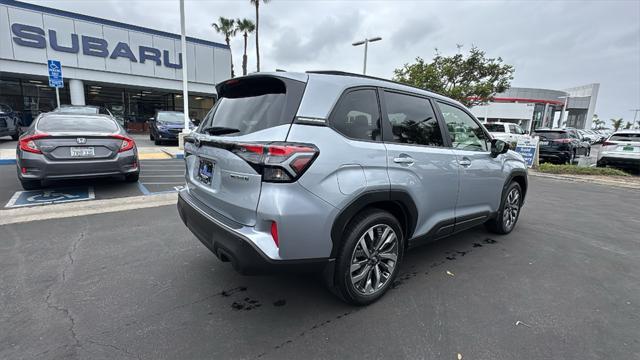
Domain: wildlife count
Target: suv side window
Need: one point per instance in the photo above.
(412, 120)
(466, 134)
(357, 115)
(519, 130)
(512, 129)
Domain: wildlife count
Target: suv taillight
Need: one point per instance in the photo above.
(277, 162)
(562, 141)
(28, 143)
(607, 143)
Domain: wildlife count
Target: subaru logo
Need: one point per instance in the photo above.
(81, 140)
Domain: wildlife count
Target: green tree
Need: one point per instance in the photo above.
(246, 27)
(628, 125)
(616, 123)
(471, 79)
(227, 28)
(256, 3)
(597, 123)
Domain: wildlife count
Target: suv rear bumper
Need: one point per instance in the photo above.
(232, 246)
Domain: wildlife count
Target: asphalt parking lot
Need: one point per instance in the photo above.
(156, 176)
(136, 284)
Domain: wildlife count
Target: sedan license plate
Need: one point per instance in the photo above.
(544, 143)
(82, 152)
(205, 171)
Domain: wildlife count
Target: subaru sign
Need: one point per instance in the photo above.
(55, 74)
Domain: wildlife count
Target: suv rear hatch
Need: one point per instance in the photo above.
(553, 140)
(227, 156)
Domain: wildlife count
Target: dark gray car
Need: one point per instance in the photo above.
(67, 146)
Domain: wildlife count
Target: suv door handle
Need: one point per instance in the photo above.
(403, 160)
(464, 162)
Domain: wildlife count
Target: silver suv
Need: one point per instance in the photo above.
(341, 173)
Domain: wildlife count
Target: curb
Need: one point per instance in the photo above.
(621, 184)
(174, 154)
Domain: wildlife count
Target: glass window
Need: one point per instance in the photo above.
(519, 130)
(550, 134)
(170, 117)
(494, 127)
(254, 103)
(357, 116)
(466, 134)
(512, 129)
(74, 123)
(412, 120)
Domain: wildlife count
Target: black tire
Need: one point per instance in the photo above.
(500, 224)
(30, 184)
(378, 269)
(15, 136)
(572, 156)
(132, 177)
(151, 136)
(156, 141)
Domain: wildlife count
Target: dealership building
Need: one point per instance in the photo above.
(131, 70)
(535, 108)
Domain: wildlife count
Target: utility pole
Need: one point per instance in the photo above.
(635, 116)
(185, 90)
(366, 47)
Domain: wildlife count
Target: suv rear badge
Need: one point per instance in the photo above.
(81, 140)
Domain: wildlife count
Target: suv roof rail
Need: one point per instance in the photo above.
(345, 73)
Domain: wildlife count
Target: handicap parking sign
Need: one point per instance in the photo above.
(50, 196)
(55, 74)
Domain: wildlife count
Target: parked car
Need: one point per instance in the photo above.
(588, 137)
(621, 150)
(9, 122)
(508, 132)
(166, 125)
(341, 173)
(69, 146)
(561, 145)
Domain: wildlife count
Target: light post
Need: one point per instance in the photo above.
(564, 109)
(185, 91)
(366, 47)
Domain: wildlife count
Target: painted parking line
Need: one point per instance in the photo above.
(50, 196)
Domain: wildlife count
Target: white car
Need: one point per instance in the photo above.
(587, 136)
(621, 150)
(508, 132)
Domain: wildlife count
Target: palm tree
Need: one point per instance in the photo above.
(616, 123)
(256, 3)
(246, 27)
(628, 125)
(227, 28)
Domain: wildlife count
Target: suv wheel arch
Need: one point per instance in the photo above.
(397, 202)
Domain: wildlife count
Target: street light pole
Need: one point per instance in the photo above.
(366, 48)
(185, 89)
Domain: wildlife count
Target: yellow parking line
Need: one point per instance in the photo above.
(152, 156)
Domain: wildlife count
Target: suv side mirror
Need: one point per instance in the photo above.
(498, 147)
(151, 119)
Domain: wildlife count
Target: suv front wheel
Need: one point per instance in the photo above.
(372, 249)
(509, 212)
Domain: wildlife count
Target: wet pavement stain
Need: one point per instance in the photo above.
(281, 302)
(490, 241)
(246, 304)
(477, 245)
(229, 292)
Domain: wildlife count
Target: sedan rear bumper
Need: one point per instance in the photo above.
(38, 167)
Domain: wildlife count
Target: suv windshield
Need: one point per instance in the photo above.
(253, 104)
(60, 123)
(551, 134)
(4, 109)
(77, 109)
(494, 127)
(176, 118)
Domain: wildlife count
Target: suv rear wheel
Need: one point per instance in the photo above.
(507, 217)
(371, 253)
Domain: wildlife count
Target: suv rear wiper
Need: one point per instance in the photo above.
(219, 130)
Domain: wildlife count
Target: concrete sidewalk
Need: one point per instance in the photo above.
(8, 156)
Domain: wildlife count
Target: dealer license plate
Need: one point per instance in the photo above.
(544, 143)
(82, 152)
(205, 171)
(627, 148)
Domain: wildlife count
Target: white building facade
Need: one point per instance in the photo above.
(131, 70)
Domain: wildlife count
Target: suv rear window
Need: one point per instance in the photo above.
(60, 123)
(254, 103)
(494, 127)
(551, 134)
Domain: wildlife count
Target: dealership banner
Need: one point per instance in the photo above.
(528, 148)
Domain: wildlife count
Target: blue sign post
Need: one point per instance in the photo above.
(528, 149)
(55, 77)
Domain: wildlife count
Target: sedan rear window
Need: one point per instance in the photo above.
(76, 124)
(253, 104)
(551, 134)
(494, 127)
(625, 137)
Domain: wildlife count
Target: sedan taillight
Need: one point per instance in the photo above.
(277, 162)
(28, 143)
(127, 143)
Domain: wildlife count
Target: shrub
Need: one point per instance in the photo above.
(580, 170)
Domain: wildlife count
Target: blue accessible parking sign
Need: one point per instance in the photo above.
(50, 196)
(55, 74)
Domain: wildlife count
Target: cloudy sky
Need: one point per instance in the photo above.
(552, 44)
